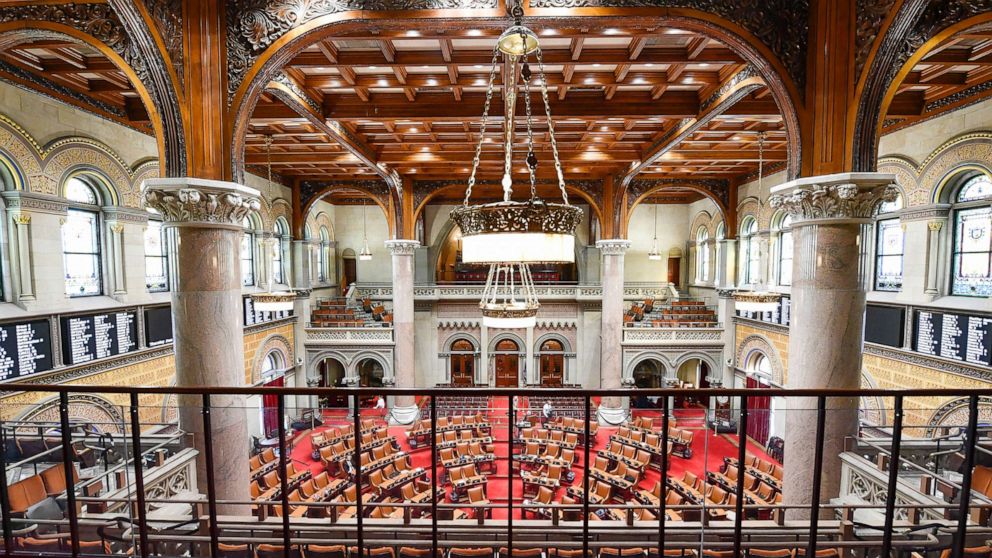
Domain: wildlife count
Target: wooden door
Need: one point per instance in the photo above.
(673, 271)
(552, 370)
(462, 370)
(350, 271)
(507, 370)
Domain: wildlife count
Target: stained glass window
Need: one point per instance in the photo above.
(247, 254)
(749, 251)
(81, 253)
(972, 251)
(278, 259)
(322, 255)
(703, 259)
(888, 255)
(976, 188)
(785, 250)
(156, 258)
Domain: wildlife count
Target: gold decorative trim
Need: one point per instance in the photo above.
(22, 218)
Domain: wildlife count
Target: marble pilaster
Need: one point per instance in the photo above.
(206, 216)
(830, 214)
(726, 263)
(302, 260)
(404, 409)
(611, 409)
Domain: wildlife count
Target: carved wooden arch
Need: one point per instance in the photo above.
(760, 344)
(16, 31)
(277, 37)
(383, 201)
(650, 187)
(83, 407)
(425, 192)
(917, 28)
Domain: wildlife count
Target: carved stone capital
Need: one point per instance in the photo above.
(22, 218)
(117, 228)
(198, 202)
(402, 247)
(847, 196)
(613, 247)
(935, 226)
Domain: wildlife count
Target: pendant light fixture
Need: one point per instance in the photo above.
(655, 254)
(272, 301)
(758, 300)
(366, 254)
(508, 235)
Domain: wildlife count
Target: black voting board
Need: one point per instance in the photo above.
(885, 325)
(96, 336)
(25, 349)
(962, 337)
(158, 326)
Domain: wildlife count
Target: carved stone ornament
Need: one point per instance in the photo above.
(834, 201)
(935, 226)
(613, 247)
(201, 201)
(402, 247)
(22, 218)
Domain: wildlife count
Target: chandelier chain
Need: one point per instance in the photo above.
(268, 154)
(482, 129)
(530, 136)
(761, 158)
(551, 127)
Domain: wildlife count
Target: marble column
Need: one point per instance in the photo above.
(404, 409)
(531, 374)
(830, 216)
(612, 409)
(301, 264)
(482, 373)
(726, 265)
(207, 321)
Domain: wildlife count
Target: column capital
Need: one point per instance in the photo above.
(200, 202)
(613, 247)
(402, 247)
(835, 197)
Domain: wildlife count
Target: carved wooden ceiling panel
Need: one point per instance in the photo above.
(956, 74)
(413, 101)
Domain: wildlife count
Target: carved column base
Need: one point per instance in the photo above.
(405, 414)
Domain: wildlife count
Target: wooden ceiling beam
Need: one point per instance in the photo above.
(574, 54)
(620, 76)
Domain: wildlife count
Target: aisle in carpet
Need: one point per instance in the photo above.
(708, 453)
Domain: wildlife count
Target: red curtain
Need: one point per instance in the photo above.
(270, 410)
(758, 416)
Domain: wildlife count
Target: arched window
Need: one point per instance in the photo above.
(702, 255)
(325, 242)
(248, 253)
(156, 257)
(721, 234)
(81, 240)
(750, 257)
(461, 363)
(783, 226)
(888, 247)
(279, 253)
(972, 251)
(759, 364)
(271, 364)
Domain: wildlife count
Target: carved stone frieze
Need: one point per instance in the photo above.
(719, 189)
(926, 361)
(32, 202)
(782, 25)
(833, 201)
(253, 25)
(402, 247)
(201, 203)
(613, 247)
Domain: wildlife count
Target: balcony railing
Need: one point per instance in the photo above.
(917, 501)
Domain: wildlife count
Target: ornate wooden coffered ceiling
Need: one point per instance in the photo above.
(956, 74)
(413, 102)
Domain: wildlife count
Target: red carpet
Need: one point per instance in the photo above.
(708, 452)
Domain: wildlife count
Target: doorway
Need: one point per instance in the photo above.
(270, 410)
(370, 374)
(349, 267)
(507, 363)
(648, 374)
(552, 359)
(461, 363)
(331, 374)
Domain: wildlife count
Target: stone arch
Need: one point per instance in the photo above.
(759, 343)
(279, 207)
(387, 365)
(751, 207)
(324, 220)
(24, 154)
(872, 408)
(462, 336)
(968, 151)
(273, 343)
(315, 360)
(905, 170)
(700, 355)
(521, 345)
(83, 407)
(702, 219)
(552, 336)
(954, 413)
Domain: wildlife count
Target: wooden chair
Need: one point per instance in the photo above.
(610, 552)
(520, 553)
(233, 550)
(477, 497)
(470, 553)
(414, 552)
(539, 506)
(276, 551)
(324, 551)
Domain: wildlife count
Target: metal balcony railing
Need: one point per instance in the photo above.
(928, 524)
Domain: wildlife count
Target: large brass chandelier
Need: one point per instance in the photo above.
(510, 235)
